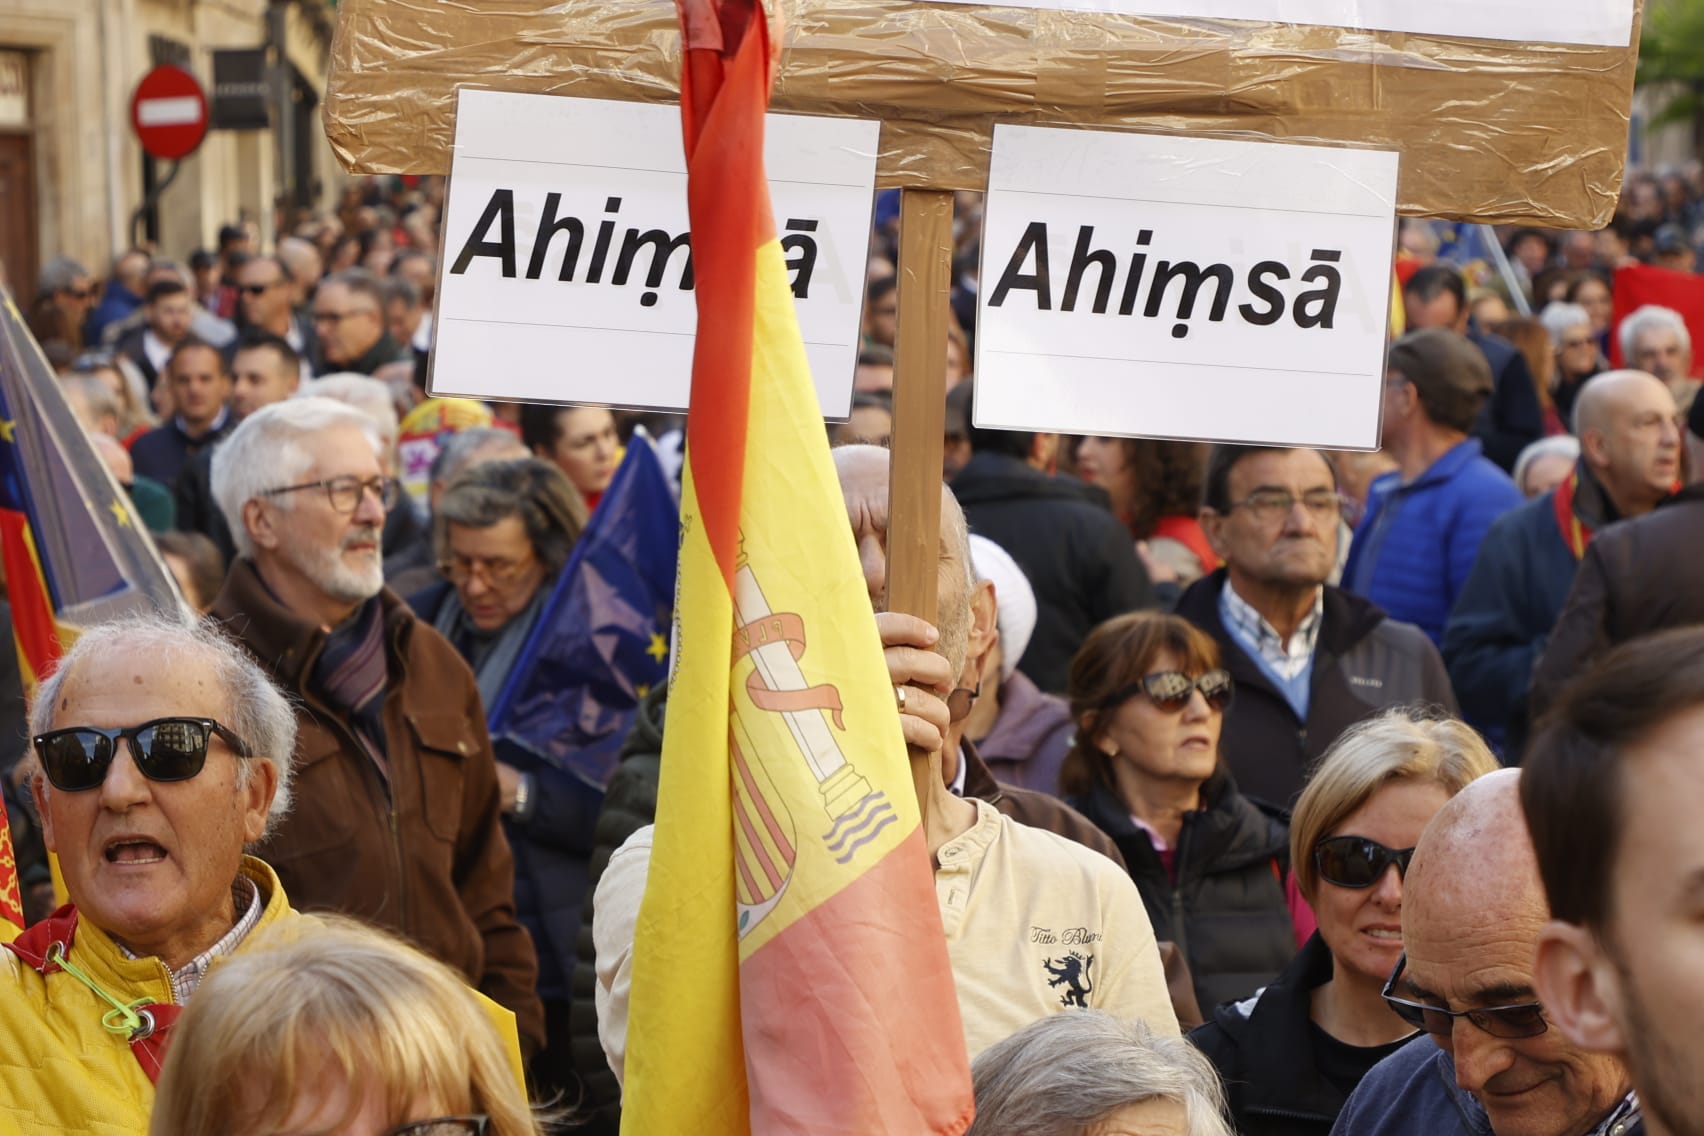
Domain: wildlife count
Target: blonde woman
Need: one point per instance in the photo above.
(335, 1029)
(1293, 1053)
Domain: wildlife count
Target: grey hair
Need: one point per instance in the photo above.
(459, 450)
(59, 273)
(1555, 446)
(1648, 318)
(266, 451)
(1558, 317)
(365, 393)
(255, 709)
(100, 398)
(534, 490)
(361, 282)
(1068, 1072)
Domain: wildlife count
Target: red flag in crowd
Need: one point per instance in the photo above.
(1640, 284)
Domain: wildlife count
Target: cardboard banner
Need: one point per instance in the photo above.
(1486, 128)
(1605, 23)
(1184, 288)
(567, 272)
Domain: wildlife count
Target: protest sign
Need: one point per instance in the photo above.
(566, 273)
(1483, 124)
(1184, 287)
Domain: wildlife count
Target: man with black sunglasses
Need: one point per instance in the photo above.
(265, 301)
(1473, 909)
(397, 819)
(162, 752)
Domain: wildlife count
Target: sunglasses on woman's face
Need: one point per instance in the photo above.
(1512, 1022)
(1356, 862)
(1171, 690)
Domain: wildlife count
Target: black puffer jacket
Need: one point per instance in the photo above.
(1227, 912)
(1263, 1048)
(1077, 555)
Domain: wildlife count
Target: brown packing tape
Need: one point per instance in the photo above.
(1488, 130)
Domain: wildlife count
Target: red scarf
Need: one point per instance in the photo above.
(1576, 534)
(36, 947)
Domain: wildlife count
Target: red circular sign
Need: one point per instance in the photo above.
(169, 112)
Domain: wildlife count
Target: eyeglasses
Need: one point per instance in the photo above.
(165, 749)
(1568, 343)
(1356, 862)
(1274, 504)
(88, 293)
(498, 572)
(1171, 690)
(259, 289)
(345, 492)
(475, 1125)
(1524, 1019)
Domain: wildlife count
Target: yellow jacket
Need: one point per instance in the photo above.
(61, 1071)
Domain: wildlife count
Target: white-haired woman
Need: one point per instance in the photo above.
(1578, 357)
(1293, 1053)
(1085, 1073)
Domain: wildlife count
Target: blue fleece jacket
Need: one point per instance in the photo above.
(1416, 544)
(1412, 1093)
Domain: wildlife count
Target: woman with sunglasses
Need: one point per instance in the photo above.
(357, 1034)
(1292, 1055)
(503, 531)
(1148, 696)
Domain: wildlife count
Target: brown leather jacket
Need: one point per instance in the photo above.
(425, 857)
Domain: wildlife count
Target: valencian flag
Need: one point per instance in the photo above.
(790, 973)
(73, 551)
(600, 641)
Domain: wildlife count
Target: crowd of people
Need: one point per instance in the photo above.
(1283, 791)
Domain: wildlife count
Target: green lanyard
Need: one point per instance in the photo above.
(130, 1019)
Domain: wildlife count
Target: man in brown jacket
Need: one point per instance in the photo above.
(396, 818)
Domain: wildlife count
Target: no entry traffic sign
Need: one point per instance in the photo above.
(169, 113)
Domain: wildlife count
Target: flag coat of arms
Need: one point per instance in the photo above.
(790, 972)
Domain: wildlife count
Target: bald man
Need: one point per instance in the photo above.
(1629, 460)
(1016, 901)
(1473, 908)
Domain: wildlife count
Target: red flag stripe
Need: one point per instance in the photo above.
(724, 141)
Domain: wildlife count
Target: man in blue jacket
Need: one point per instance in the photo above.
(1629, 461)
(1425, 519)
(1473, 908)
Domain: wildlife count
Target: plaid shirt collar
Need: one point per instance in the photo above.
(1288, 660)
(184, 980)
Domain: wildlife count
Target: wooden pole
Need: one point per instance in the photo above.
(919, 413)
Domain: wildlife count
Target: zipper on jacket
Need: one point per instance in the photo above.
(396, 850)
(1179, 935)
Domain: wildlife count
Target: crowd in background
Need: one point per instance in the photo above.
(1250, 677)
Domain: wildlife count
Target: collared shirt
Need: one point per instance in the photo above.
(213, 427)
(1287, 660)
(186, 978)
(957, 787)
(159, 352)
(1622, 1120)
(1288, 664)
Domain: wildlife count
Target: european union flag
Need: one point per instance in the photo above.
(601, 641)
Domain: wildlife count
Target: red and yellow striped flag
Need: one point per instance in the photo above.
(790, 973)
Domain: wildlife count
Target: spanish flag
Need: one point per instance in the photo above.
(70, 544)
(790, 973)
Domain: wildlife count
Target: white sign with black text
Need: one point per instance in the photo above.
(1184, 288)
(566, 257)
